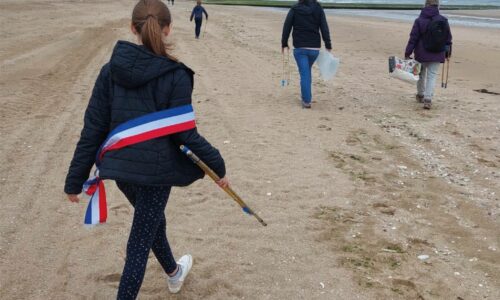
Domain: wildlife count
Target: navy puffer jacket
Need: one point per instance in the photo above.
(134, 83)
(307, 19)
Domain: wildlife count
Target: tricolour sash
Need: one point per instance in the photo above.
(135, 131)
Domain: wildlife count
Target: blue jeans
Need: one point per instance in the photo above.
(305, 59)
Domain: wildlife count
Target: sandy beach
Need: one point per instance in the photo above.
(354, 190)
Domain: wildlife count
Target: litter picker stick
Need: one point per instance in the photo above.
(447, 73)
(289, 73)
(285, 75)
(205, 27)
(216, 178)
(442, 76)
(283, 80)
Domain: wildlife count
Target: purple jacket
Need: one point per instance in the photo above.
(415, 44)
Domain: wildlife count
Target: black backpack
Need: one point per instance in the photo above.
(436, 36)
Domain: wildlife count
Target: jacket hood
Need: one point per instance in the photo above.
(133, 65)
(305, 8)
(429, 12)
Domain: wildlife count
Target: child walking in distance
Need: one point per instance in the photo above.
(139, 82)
(197, 14)
(430, 40)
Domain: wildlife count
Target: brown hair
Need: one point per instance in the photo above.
(149, 18)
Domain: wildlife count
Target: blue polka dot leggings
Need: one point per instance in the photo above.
(148, 232)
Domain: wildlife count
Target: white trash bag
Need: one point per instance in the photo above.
(328, 65)
(404, 69)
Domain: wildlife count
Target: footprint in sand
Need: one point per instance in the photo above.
(111, 279)
(153, 291)
(322, 126)
(199, 200)
(404, 282)
(384, 208)
(120, 209)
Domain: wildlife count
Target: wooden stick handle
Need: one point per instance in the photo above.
(216, 178)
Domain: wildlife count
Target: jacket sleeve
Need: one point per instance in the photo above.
(181, 95)
(95, 130)
(205, 12)
(414, 37)
(287, 28)
(192, 14)
(325, 32)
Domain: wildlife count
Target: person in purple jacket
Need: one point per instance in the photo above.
(430, 41)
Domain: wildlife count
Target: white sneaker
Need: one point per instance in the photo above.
(185, 263)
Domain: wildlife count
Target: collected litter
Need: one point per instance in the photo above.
(407, 70)
(328, 65)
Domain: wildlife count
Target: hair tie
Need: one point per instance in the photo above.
(150, 15)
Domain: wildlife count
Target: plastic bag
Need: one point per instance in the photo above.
(328, 65)
(407, 70)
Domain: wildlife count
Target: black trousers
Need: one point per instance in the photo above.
(148, 232)
(197, 29)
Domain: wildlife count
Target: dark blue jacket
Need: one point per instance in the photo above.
(416, 44)
(134, 83)
(198, 12)
(306, 19)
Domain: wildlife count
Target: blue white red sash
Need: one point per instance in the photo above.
(135, 131)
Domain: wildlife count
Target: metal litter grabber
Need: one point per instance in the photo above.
(205, 27)
(285, 75)
(216, 178)
(444, 75)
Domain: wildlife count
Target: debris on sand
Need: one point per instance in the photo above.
(485, 91)
(423, 257)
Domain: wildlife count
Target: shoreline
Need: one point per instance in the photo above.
(370, 6)
(463, 18)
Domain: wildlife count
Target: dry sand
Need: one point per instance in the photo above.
(353, 190)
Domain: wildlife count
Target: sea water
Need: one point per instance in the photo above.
(454, 17)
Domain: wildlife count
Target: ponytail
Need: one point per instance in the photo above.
(149, 18)
(152, 36)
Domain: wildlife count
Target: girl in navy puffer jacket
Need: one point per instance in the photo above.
(141, 79)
